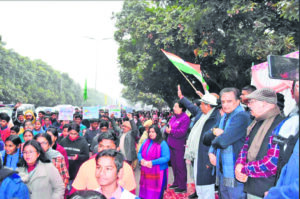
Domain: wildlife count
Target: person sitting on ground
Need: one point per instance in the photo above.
(85, 178)
(109, 169)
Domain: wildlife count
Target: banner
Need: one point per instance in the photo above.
(116, 112)
(90, 112)
(65, 113)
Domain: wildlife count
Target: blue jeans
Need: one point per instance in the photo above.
(231, 192)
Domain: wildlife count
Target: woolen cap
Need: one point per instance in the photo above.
(264, 94)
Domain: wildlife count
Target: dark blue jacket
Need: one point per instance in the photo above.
(11, 185)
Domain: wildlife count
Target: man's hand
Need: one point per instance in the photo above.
(239, 175)
(112, 116)
(199, 93)
(18, 105)
(129, 115)
(212, 159)
(179, 93)
(217, 132)
(188, 161)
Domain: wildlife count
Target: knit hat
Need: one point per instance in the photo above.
(164, 121)
(126, 123)
(209, 99)
(264, 94)
(148, 123)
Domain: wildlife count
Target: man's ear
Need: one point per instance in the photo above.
(118, 148)
(120, 174)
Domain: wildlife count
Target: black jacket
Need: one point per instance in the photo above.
(78, 146)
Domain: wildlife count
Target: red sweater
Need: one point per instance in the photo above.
(4, 132)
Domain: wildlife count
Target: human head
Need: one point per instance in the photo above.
(74, 130)
(65, 131)
(77, 119)
(179, 108)
(41, 114)
(147, 124)
(262, 101)
(87, 194)
(28, 125)
(229, 99)
(29, 115)
(14, 130)
(246, 91)
(155, 134)
(12, 143)
(208, 101)
(126, 126)
(53, 115)
(108, 140)
(94, 123)
(27, 135)
(108, 167)
(32, 153)
(104, 126)
(20, 116)
(45, 140)
(53, 134)
(38, 125)
(101, 111)
(163, 122)
(4, 119)
(47, 120)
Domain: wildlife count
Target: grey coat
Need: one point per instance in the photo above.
(129, 143)
(43, 182)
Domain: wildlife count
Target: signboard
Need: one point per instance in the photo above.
(65, 113)
(90, 112)
(116, 112)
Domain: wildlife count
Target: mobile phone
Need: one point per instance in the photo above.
(284, 68)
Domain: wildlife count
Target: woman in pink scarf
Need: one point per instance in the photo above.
(153, 155)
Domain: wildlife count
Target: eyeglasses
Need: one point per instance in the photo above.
(73, 134)
(43, 143)
(28, 152)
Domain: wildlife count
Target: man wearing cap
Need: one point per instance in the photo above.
(196, 151)
(256, 165)
(163, 128)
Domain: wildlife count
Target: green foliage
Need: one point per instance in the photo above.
(34, 82)
(225, 37)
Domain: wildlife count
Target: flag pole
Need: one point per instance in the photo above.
(187, 79)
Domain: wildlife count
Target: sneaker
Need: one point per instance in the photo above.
(178, 190)
(173, 187)
(194, 195)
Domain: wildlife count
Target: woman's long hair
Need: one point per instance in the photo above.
(42, 157)
(16, 140)
(159, 137)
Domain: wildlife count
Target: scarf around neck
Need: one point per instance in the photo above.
(268, 119)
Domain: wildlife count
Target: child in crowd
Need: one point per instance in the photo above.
(38, 127)
(12, 153)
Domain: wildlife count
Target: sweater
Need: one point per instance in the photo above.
(77, 147)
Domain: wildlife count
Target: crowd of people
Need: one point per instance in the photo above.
(236, 145)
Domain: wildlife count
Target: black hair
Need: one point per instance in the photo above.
(43, 112)
(16, 140)
(86, 123)
(28, 121)
(118, 157)
(75, 127)
(20, 113)
(5, 116)
(42, 157)
(53, 131)
(109, 136)
(183, 108)
(86, 194)
(94, 120)
(15, 128)
(77, 116)
(47, 117)
(44, 135)
(66, 126)
(249, 88)
(104, 124)
(280, 101)
(235, 91)
(28, 130)
(159, 137)
(197, 102)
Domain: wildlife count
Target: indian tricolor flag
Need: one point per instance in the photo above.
(189, 68)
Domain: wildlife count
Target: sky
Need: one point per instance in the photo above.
(75, 37)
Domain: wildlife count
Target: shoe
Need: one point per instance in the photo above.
(173, 187)
(178, 190)
(194, 195)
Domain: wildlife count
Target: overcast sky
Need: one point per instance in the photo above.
(59, 33)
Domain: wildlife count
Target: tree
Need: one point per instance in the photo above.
(225, 37)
